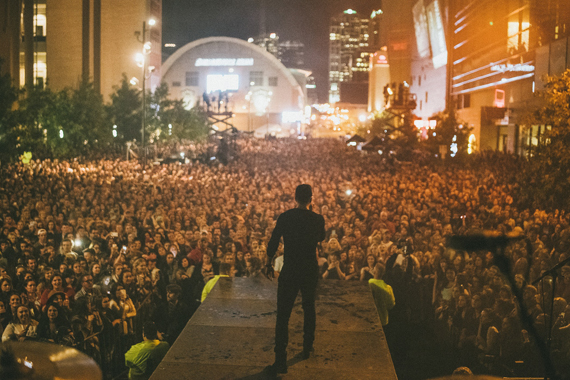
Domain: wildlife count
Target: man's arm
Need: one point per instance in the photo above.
(322, 231)
(273, 244)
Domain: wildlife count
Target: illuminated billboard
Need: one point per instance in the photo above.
(217, 82)
(421, 29)
(436, 34)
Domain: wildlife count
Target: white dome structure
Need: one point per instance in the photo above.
(260, 89)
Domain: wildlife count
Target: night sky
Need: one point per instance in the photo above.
(304, 20)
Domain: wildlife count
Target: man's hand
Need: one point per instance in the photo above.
(269, 272)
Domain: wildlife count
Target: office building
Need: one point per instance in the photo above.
(428, 62)
(487, 59)
(66, 41)
(349, 52)
(290, 53)
(501, 50)
(268, 42)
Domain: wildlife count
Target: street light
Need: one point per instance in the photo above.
(142, 62)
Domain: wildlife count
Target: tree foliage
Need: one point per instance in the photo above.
(124, 111)
(67, 123)
(169, 120)
(450, 133)
(398, 128)
(397, 131)
(75, 121)
(547, 175)
(8, 98)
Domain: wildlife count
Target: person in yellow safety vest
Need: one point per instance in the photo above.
(225, 270)
(382, 293)
(143, 358)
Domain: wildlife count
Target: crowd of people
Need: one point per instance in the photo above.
(93, 250)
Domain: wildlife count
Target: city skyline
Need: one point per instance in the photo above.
(306, 21)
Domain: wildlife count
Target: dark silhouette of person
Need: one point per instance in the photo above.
(206, 99)
(302, 230)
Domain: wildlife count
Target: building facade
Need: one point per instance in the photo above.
(256, 89)
(349, 51)
(62, 42)
(429, 56)
(496, 49)
(487, 59)
(290, 53)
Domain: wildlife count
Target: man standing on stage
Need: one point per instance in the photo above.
(302, 230)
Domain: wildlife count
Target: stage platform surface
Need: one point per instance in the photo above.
(232, 335)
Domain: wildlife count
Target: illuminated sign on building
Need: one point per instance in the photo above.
(519, 67)
(381, 59)
(224, 62)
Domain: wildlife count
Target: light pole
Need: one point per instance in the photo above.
(142, 62)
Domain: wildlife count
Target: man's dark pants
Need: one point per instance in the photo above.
(287, 291)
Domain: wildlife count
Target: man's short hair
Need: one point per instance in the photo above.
(174, 288)
(150, 331)
(84, 277)
(303, 193)
(379, 271)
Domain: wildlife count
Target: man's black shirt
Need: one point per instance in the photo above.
(302, 230)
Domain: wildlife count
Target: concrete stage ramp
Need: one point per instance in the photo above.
(231, 335)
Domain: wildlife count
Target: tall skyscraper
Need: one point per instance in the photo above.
(61, 42)
(268, 42)
(349, 51)
(290, 53)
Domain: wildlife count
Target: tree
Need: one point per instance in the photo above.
(8, 96)
(168, 119)
(547, 174)
(61, 124)
(124, 111)
(35, 116)
(86, 121)
(449, 133)
(397, 130)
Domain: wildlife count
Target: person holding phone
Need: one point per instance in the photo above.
(302, 230)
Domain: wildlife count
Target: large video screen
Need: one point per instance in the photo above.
(436, 34)
(218, 82)
(421, 29)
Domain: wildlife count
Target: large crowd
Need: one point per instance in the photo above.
(93, 250)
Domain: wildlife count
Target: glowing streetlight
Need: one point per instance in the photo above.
(142, 62)
(139, 59)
